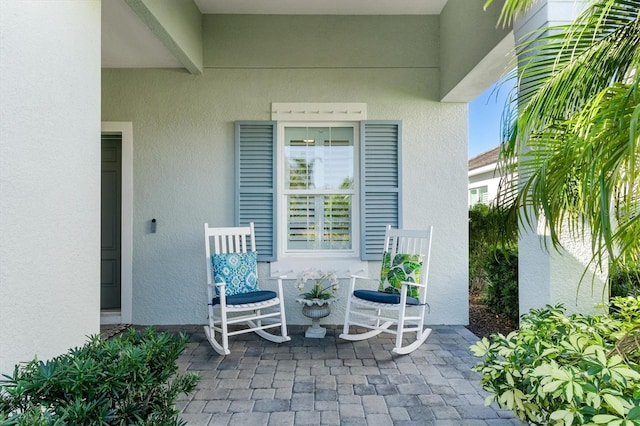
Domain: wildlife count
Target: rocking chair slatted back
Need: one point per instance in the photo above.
(233, 240)
(405, 243)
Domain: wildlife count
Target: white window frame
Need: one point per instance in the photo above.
(477, 193)
(354, 252)
(473, 195)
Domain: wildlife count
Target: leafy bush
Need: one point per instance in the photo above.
(567, 370)
(490, 225)
(624, 280)
(128, 380)
(493, 259)
(501, 292)
(482, 228)
(479, 225)
(478, 244)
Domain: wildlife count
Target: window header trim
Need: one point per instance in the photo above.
(318, 111)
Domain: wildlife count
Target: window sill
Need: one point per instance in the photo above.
(343, 267)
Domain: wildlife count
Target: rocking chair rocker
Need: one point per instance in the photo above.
(399, 305)
(233, 293)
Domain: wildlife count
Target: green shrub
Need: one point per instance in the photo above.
(478, 243)
(501, 292)
(624, 281)
(567, 370)
(128, 380)
(489, 229)
(491, 226)
(479, 225)
(493, 259)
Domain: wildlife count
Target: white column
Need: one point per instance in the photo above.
(549, 277)
(49, 177)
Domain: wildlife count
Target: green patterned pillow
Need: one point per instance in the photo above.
(403, 267)
(384, 270)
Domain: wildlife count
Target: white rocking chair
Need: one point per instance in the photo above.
(232, 286)
(399, 305)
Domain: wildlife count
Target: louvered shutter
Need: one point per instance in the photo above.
(256, 182)
(380, 181)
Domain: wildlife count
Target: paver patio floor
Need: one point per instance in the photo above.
(334, 382)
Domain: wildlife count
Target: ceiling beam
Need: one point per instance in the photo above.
(474, 51)
(178, 25)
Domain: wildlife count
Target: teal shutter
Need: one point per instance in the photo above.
(380, 182)
(256, 182)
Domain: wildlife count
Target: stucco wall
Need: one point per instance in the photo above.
(183, 170)
(547, 276)
(183, 154)
(49, 177)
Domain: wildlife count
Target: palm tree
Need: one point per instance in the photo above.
(574, 141)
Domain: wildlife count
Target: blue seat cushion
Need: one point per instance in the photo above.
(380, 297)
(251, 297)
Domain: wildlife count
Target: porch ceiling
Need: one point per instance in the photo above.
(128, 43)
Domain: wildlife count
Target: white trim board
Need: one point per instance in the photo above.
(125, 128)
(318, 111)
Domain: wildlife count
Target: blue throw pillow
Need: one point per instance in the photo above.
(238, 271)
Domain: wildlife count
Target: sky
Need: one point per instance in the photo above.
(484, 118)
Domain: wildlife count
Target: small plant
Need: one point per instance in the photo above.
(128, 380)
(567, 370)
(324, 287)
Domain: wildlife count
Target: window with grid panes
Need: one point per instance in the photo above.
(318, 188)
(335, 195)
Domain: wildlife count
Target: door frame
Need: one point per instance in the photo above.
(125, 129)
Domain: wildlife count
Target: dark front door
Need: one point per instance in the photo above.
(111, 190)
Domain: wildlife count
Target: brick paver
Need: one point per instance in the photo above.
(334, 382)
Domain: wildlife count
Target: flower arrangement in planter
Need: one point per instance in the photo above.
(316, 303)
(325, 284)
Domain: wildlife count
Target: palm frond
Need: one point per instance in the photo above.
(572, 145)
(512, 10)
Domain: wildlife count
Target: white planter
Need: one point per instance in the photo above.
(315, 309)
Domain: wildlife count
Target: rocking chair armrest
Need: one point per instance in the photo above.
(219, 284)
(220, 290)
(355, 278)
(279, 277)
(407, 283)
(361, 277)
(280, 292)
